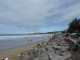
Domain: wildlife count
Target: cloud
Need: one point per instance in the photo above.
(11, 29)
(32, 15)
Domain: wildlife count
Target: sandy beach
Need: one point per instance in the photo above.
(11, 53)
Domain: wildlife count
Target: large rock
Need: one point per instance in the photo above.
(41, 50)
(32, 57)
(67, 47)
(26, 57)
(44, 57)
(54, 56)
(66, 53)
(54, 43)
(36, 58)
(66, 44)
(56, 47)
(63, 49)
(57, 52)
(49, 48)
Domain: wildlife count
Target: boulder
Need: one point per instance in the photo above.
(36, 58)
(63, 49)
(44, 57)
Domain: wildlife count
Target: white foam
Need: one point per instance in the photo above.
(22, 36)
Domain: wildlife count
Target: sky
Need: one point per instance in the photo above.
(25, 16)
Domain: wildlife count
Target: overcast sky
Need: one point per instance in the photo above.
(23, 16)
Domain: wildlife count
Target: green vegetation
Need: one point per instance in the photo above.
(63, 31)
(74, 26)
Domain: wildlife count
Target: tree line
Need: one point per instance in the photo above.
(74, 26)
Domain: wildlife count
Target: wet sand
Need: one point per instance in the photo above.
(11, 53)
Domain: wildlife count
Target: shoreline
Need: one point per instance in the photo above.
(11, 53)
(24, 45)
(10, 43)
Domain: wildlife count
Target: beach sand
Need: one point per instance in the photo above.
(11, 53)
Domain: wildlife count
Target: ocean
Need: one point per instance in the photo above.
(8, 41)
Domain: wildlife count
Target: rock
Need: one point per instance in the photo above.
(56, 47)
(26, 57)
(57, 51)
(63, 49)
(41, 50)
(66, 44)
(44, 57)
(67, 47)
(39, 53)
(66, 53)
(49, 48)
(31, 57)
(60, 54)
(29, 53)
(53, 55)
(36, 58)
(49, 43)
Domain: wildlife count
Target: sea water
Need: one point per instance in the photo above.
(8, 41)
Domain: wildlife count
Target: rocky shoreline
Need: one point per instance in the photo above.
(56, 49)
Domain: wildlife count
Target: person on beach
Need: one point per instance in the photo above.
(79, 37)
(22, 55)
(49, 39)
(42, 43)
(39, 45)
(54, 36)
(28, 42)
(65, 37)
(6, 58)
(12, 39)
(31, 41)
(75, 47)
(9, 39)
(48, 36)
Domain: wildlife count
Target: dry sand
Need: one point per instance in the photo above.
(11, 53)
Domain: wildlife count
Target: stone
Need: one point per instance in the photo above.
(56, 47)
(44, 57)
(36, 58)
(53, 55)
(26, 57)
(66, 44)
(63, 49)
(49, 48)
(57, 51)
(66, 53)
(31, 57)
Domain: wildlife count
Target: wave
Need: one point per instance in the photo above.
(22, 36)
